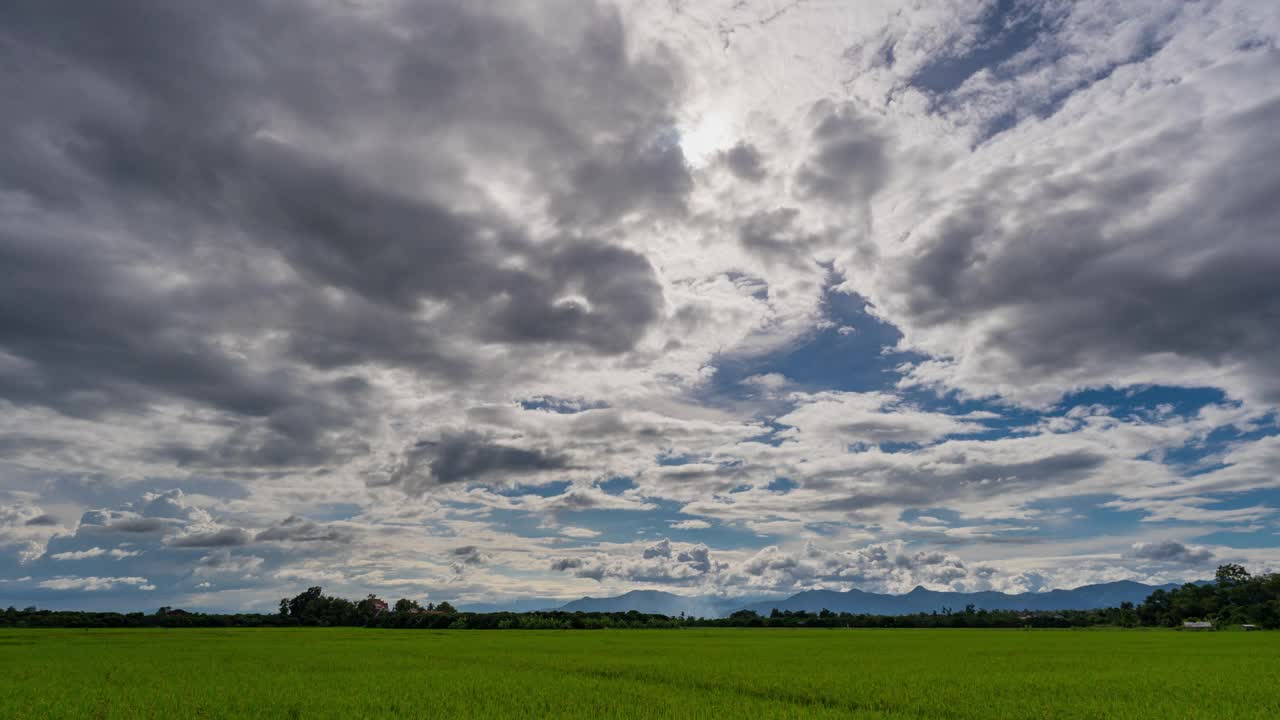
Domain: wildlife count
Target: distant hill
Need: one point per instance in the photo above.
(662, 603)
(515, 605)
(918, 600)
(921, 600)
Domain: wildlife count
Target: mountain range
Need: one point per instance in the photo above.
(662, 603)
(919, 600)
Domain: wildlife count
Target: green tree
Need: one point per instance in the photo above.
(368, 608)
(1230, 575)
(297, 606)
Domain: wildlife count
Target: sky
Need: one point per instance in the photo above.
(488, 301)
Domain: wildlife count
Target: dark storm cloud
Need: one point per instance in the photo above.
(848, 160)
(950, 476)
(620, 298)
(465, 557)
(1107, 265)
(468, 555)
(644, 174)
(309, 431)
(90, 337)
(563, 564)
(225, 537)
(1172, 551)
(468, 456)
(745, 161)
(462, 457)
(207, 202)
(769, 235)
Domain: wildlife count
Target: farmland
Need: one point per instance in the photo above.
(775, 673)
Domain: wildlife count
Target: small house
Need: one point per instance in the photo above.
(1197, 626)
(1249, 628)
(379, 606)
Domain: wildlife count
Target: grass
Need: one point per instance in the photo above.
(725, 673)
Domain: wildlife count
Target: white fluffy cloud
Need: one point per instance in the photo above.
(94, 584)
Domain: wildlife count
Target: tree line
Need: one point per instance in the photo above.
(1234, 598)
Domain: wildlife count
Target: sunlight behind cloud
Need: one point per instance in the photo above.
(705, 135)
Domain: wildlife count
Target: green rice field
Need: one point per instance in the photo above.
(718, 673)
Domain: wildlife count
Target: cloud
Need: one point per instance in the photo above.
(690, 525)
(573, 499)
(220, 537)
(24, 528)
(869, 418)
(299, 529)
(468, 457)
(848, 162)
(886, 567)
(466, 556)
(660, 550)
(882, 567)
(769, 382)
(775, 237)
(79, 554)
(298, 264)
(122, 523)
(745, 161)
(662, 562)
(563, 564)
(1172, 551)
(224, 562)
(94, 584)
(1086, 264)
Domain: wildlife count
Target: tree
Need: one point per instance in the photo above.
(1127, 615)
(446, 608)
(1237, 597)
(404, 605)
(298, 605)
(1230, 575)
(369, 607)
